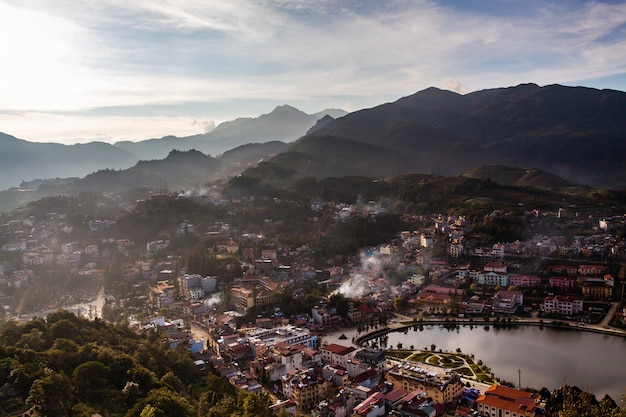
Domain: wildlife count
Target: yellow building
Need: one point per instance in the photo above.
(305, 388)
(442, 388)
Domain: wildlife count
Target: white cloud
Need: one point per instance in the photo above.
(71, 56)
(70, 128)
(454, 85)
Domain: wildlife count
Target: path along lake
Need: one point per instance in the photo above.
(546, 357)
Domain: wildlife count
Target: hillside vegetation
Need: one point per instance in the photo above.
(68, 366)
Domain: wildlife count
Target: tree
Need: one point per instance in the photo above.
(162, 402)
(51, 395)
(172, 381)
(340, 302)
(31, 340)
(433, 347)
(90, 376)
(400, 303)
(131, 393)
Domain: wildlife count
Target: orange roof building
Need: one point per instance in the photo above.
(499, 400)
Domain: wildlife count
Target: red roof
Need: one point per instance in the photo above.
(506, 392)
(395, 395)
(338, 349)
(364, 376)
(507, 398)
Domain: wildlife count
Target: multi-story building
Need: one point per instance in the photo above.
(188, 285)
(456, 249)
(242, 298)
(493, 279)
(325, 316)
(591, 270)
(336, 354)
(562, 304)
(562, 282)
(373, 358)
(597, 290)
(496, 267)
(442, 388)
(568, 270)
(500, 401)
(306, 388)
(524, 280)
(254, 290)
(507, 301)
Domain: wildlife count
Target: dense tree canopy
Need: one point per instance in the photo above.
(68, 366)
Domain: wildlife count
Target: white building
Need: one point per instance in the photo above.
(563, 304)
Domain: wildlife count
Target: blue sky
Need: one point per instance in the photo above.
(77, 71)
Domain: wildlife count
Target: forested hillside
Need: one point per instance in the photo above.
(69, 366)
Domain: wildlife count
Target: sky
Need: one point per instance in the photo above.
(75, 71)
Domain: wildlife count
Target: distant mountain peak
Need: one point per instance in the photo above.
(286, 108)
(320, 123)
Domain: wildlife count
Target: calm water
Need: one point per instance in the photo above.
(546, 357)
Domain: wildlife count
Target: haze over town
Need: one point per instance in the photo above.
(111, 70)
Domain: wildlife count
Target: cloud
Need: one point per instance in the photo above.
(74, 56)
(454, 85)
(71, 128)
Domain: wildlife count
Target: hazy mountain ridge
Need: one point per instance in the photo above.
(577, 133)
(21, 160)
(574, 132)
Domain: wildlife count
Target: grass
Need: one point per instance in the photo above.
(399, 354)
(446, 360)
(465, 371)
(421, 357)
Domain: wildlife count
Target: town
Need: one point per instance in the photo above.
(292, 306)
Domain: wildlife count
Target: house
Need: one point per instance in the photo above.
(597, 290)
(269, 254)
(368, 379)
(239, 351)
(562, 304)
(227, 246)
(241, 298)
(340, 406)
(394, 397)
(336, 354)
(495, 267)
(433, 298)
(335, 374)
(507, 301)
(591, 270)
(562, 282)
(427, 240)
(503, 401)
(524, 280)
(324, 316)
(372, 358)
(306, 388)
(416, 404)
(568, 270)
(372, 406)
(442, 388)
(493, 279)
(436, 289)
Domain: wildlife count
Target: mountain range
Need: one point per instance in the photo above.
(576, 133)
(21, 160)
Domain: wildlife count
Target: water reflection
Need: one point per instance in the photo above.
(547, 357)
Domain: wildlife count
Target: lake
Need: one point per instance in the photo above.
(547, 357)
